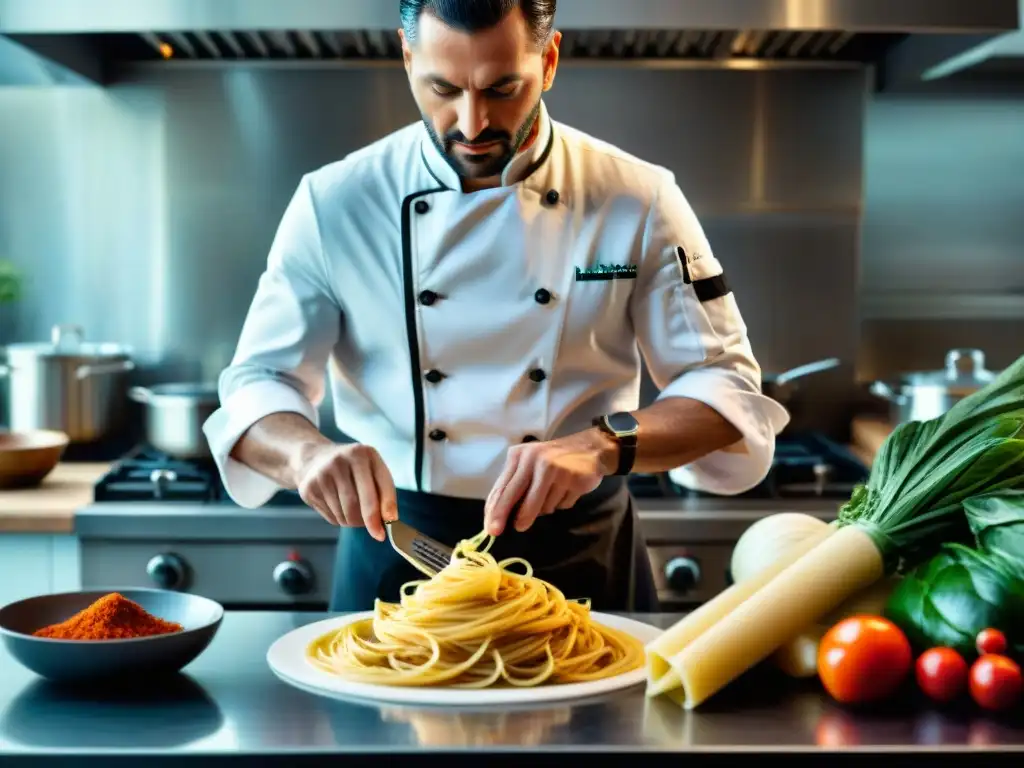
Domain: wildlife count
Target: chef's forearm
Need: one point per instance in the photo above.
(674, 432)
(278, 445)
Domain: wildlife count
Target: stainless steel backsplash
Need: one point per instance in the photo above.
(943, 249)
(144, 211)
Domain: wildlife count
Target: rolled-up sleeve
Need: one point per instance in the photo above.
(694, 342)
(280, 362)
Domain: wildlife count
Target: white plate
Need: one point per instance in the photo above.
(287, 659)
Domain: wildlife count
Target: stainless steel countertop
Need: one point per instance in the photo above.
(229, 704)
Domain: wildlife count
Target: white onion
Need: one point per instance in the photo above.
(770, 540)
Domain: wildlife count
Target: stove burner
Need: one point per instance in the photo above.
(805, 466)
(145, 474)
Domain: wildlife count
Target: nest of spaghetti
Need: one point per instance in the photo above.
(478, 624)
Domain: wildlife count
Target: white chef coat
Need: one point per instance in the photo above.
(455, 325)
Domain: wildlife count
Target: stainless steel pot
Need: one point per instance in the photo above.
(780, 387)
(927, 395)
(174, 417)
(67, 385)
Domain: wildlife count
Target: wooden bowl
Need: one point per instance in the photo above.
(26, 458)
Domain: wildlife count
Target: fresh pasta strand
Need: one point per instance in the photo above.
(477, 624)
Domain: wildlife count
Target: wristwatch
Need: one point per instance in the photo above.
(624, 429)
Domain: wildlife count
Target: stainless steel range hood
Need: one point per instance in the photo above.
(1000, 54)
(332, 32)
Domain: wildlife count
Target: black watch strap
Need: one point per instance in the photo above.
(624, 429)
(627, 455)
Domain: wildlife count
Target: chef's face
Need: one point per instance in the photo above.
(479, 93)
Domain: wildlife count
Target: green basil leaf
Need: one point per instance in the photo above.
(905, 608)
(997, 522)
(951, 598)
(911, 608)
(967, 595)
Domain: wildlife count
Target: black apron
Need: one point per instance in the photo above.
(594, 550)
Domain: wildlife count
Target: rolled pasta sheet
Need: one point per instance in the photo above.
(662, 678)
(801, 594)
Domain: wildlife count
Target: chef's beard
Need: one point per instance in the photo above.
(470, 167)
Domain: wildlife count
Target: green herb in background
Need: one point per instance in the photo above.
(961, 591)
(10, 283)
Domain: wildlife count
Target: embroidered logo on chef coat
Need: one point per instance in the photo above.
(706, 288)
(607, 272)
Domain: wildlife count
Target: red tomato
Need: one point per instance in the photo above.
(942, 674)
(995, 682)
(863, 658)
(991, 641)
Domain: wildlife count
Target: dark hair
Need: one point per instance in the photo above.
(477, 15)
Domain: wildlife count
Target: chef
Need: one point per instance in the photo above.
(475, 292)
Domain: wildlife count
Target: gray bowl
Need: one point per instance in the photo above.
(75, 661)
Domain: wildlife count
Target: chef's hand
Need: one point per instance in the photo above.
(348, 485)
(542, 477)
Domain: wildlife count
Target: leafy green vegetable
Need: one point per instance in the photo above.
(997, 522)
(961, 591)
(955, 595)
(913, 501)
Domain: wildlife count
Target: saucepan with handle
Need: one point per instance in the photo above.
(67, 385)
(174, 417)
(780, 386)
(926, 395)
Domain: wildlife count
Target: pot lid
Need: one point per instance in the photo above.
(68, 341)
(191, 392)
(965, 371)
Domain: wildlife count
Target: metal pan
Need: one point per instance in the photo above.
(780, 386)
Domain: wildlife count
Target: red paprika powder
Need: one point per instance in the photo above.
(112, 617)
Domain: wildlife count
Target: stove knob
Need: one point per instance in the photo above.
(294, 577)
(682, 574)
(167, 571)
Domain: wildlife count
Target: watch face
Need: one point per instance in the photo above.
(622, 422)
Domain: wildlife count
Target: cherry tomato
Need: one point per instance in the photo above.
(991, 641)
(863, 658)
(942, 674)
(995, 682)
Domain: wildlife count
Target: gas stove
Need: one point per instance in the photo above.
(159, 521)
(690, 535)
(804, 467)
(149, 475)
